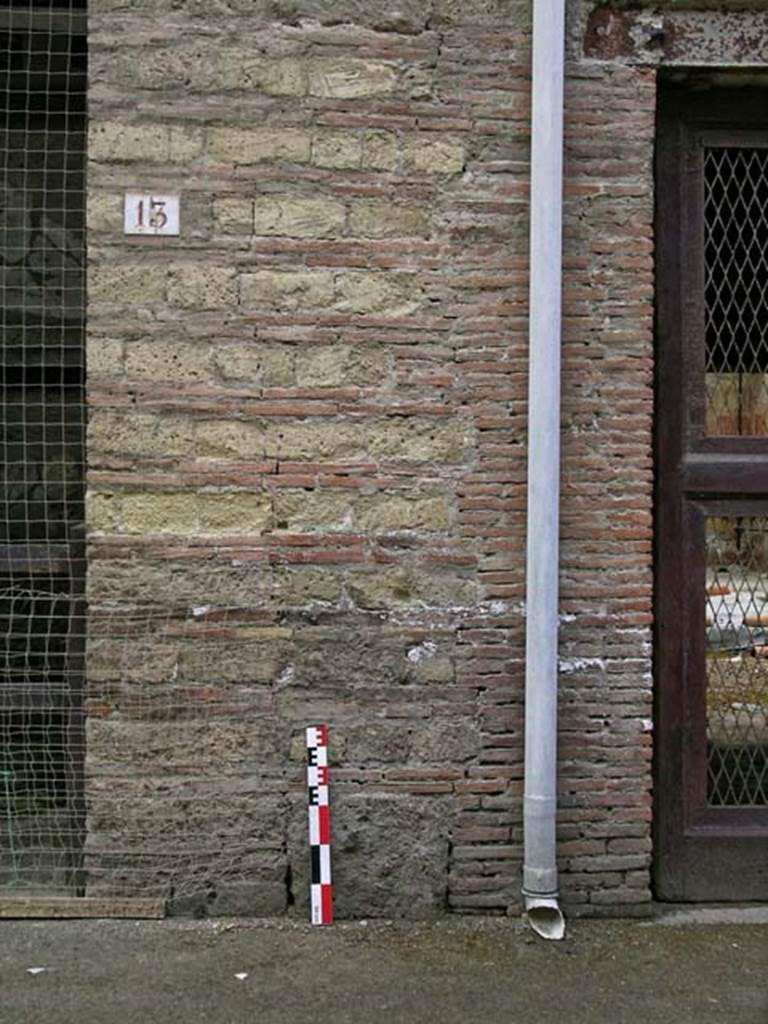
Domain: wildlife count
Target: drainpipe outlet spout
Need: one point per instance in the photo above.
(545, 917)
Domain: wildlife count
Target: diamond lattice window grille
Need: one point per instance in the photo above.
(737, 661)
(736, 289)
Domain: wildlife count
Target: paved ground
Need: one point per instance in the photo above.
(484, 971)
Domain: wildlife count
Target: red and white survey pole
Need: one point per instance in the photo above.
(320, 891)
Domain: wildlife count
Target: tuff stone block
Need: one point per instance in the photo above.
(337, 149)
(377, 219)
(241, 69)
(119, 142)
(221, 439)
(340, 366)
(202, 287)
(195, 513)
(137, 284)
(104, 212)
(394, 294)
(484, 13)
(173, 361)
(418, 440)
(426, 155)
(233, 214)
(184, 144)
(380, 150)
(331, 78)
(314, 441)
(256, 364)
(139, 434)
(298, 217)
(104, 356)
(370, 876)
(243, 146)
(289, 290)
(159, 513)
(101, 512)
(388, 512)
(307, 512)
(397, 588)
(235, 512)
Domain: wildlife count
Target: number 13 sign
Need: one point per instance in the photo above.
(151, 214)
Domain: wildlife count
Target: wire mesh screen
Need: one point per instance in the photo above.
(737, 660)
(42, 144)
(130, 750)
(183, 654)
(736, 314)
(736, 289)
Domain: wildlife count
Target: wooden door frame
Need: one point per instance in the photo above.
(695, 476)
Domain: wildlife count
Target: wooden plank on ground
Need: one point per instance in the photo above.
(74, 907)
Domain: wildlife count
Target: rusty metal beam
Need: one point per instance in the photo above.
(704, 38)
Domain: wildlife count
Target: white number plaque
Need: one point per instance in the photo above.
(151, 214)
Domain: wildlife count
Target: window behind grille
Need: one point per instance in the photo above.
(736, 289)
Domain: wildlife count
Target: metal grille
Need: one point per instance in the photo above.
(137, 777)
(42, 146)
(736, 289)
(737, 660)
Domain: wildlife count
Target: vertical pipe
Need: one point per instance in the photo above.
(539, 867)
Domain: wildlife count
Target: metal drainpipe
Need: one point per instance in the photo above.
(539, 867)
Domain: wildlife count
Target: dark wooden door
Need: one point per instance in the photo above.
(711, 673)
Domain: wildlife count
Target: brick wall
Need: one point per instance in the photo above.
(307, 455)
(606, 584)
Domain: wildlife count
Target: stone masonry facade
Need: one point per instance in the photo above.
(307, 461)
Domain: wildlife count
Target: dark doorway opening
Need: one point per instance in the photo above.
(42, 568)
(711, 777)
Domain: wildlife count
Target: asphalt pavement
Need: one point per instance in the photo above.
(452, 971)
